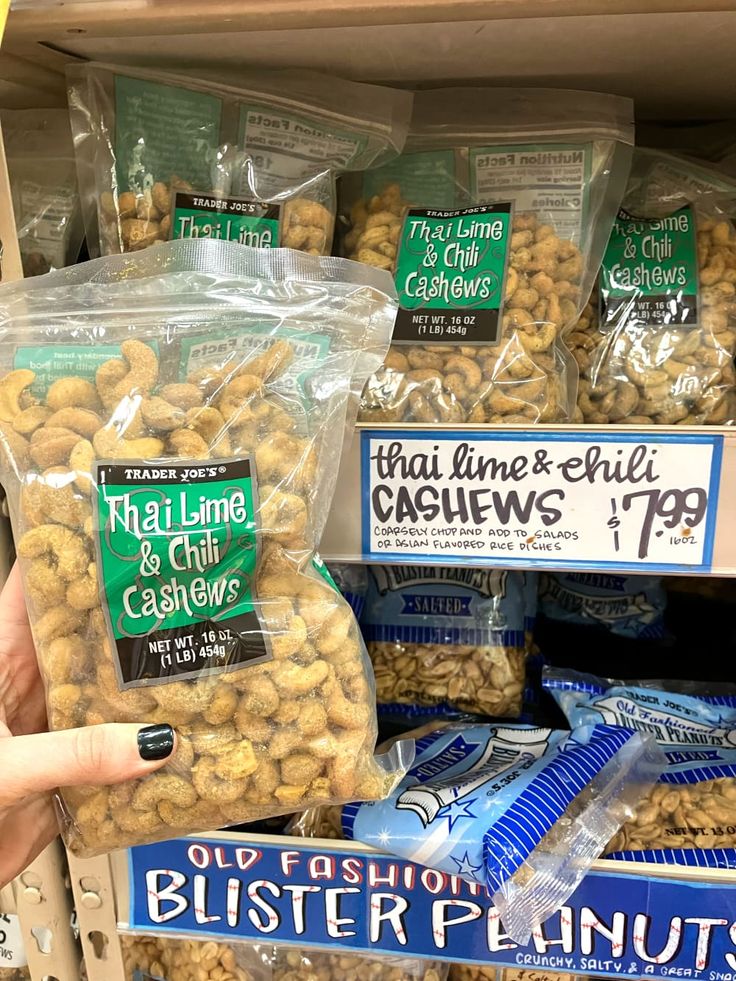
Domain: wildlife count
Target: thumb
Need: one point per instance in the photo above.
(101, 754)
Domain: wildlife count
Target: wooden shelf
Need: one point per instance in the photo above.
(131, 18)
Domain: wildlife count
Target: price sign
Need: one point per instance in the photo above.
(557, 499)
(12, 951)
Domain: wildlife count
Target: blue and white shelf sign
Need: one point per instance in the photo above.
(344, 897)
(570, 500)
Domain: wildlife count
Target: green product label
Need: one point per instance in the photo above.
(162, 130)
(649, 274)
(450, 275)
(321, 569)
(52, 363)
(424, 178)
(549, 180)
(236, 348)
(177, 551)
(241, 220)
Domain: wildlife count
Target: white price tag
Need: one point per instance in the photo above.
(567, 500)
(12, 950)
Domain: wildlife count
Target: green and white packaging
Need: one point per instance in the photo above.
(657, 347)
(163, 156)
(556, 163)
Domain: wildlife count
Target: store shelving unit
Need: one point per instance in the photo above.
(41, 901)
(673, 57)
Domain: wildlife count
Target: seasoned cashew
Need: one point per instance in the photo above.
(59, 500)
(60, 546)
(135, 375)
(85, 422)
(12, 388)
(51, 446)
(160, 415)
(182, 395)
(108, 444)
(81, 460)
(28, 420)
(73, 393)
(163, 786)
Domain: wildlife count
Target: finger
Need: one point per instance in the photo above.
(22, 691)
(16, 631)
(101, 754)
(24, 833)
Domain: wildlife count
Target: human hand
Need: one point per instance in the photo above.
(35, 761)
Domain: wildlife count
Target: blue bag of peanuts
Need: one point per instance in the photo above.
(520, 809)
(630, 606)
(446, 640)
(689, 818)
(352, 581)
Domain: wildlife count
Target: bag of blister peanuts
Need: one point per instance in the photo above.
(629, 606)
(446, 640)
(160, 958)
(352, 581)
(656, 346)
(172, 424)
(161, 156)
(293, 964)
(493, 222)
(474, 972)
(689, 818)
(520, 809)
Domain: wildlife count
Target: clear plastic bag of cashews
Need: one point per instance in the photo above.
(494, 221)
(161, 156)
(657, 346)
(169, 473)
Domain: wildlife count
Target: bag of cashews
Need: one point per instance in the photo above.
(656, 346)
(168, 488)
(161, 156)
(523, 810)
(689, 818)
(494, 222)
(446, 640)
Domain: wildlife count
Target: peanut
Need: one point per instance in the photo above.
(296, 965)
(469, 972)
(484, 680)
(189, 960)
(697, 815)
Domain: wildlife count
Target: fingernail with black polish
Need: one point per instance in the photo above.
(155, 742)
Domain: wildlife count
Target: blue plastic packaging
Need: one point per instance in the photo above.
(630, 606)
(446, 640)
(691, 815)
(485, 803)
(352, 581)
